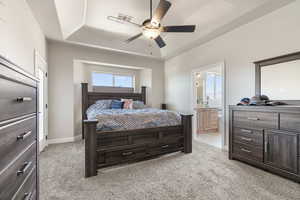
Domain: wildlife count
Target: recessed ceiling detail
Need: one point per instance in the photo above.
(85, 22)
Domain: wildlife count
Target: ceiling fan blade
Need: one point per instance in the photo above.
(134, 37)
(160, 42)
(184, 28)
(160, 12)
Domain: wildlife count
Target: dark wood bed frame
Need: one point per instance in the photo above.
(107, 148)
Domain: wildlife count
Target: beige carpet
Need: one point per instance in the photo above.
(207, 174)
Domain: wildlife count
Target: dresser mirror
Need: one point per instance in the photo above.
(279, 78)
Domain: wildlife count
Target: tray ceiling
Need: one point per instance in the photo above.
(85, 22)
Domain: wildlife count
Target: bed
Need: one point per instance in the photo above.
(115, 137)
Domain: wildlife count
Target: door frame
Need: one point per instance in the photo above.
(194, 99)
(40, 63)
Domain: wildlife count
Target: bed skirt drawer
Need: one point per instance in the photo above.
(112, 141)
(14, 138)
(16, 99)
(13, 176)
(121, 156)
(164, 148)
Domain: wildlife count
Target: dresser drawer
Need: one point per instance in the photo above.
(27, 191)
(14, 138)
(246, 119)
(248, 151)
(290, 122)
(248, 136)
(16, 99)
(13, 176)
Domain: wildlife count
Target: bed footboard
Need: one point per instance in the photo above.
(109, 148)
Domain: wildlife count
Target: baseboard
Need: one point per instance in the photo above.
(64, 140)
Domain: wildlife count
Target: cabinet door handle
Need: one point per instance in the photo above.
(127, 153)
(246, 139)
(24, 135)
(164, 146)
(245, 150)
(24, 169)
(266, 146)
(23, 99)
(253, 118)
(27, 196)
(246, 131)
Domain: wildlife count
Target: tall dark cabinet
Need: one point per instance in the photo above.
(18, 134)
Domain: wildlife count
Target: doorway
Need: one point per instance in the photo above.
(41, 73)
(209, 104)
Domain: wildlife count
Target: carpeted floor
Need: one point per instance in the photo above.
(207, 174)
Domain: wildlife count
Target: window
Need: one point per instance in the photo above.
(213, 88)
(112, 80)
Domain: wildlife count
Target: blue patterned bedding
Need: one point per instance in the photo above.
(128, 119)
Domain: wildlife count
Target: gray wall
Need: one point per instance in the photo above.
(61, 59)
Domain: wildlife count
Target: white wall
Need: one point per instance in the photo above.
(20, 34)
(272, 35)
(61, 58)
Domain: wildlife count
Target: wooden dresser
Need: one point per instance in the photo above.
(267, 137)
(18, 134)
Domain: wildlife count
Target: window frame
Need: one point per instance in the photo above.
(214, 81)
(113, 74)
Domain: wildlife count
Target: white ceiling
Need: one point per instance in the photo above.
(85, 22)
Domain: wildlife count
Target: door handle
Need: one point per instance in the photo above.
(266, 146)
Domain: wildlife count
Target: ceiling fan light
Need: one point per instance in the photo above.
(151, 33)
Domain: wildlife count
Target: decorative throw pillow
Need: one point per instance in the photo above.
(116, 104)
(138, 105)
(127, 103)
(104, 104)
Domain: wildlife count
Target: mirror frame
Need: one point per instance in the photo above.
(273, 61)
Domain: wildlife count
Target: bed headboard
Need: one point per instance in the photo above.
(89, 98)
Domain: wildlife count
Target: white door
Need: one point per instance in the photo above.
(43, 109)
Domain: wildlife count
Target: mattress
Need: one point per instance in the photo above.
(129, 119)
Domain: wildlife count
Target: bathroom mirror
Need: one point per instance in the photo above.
(279, 78)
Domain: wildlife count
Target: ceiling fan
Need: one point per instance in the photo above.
(152, 28)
